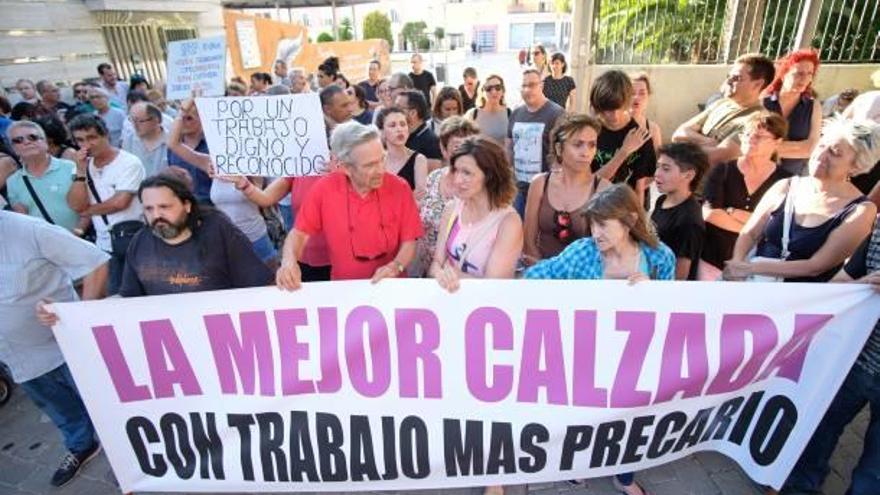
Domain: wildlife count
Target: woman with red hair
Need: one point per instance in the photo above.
(791, 95)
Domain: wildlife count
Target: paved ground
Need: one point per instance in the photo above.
(30, 449)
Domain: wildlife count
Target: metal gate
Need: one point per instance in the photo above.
(142, 48)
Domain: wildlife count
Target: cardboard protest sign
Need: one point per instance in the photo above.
(196, 64)
(348, 386)
(270, 136)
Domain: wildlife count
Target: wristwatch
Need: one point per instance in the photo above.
(78, 178)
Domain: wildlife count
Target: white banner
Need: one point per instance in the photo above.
(196, 64)
(265, 136)
(401, 386)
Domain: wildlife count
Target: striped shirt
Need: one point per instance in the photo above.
(867, 260)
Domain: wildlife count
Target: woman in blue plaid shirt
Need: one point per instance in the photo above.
(621, 245)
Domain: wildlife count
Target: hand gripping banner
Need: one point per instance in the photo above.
(398, 386)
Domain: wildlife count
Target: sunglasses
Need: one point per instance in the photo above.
(494, 87)
(562, 230)
(351, 227)
(33, 138)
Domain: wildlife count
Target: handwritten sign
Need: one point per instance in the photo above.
(196, 64)
(268, 136)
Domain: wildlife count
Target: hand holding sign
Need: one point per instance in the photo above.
(269, 136)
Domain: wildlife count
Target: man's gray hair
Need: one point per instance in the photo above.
(43, 85)
(401, 81)
(862, 135)
(103, 92)
(25, 124)
(278, 89)
(349, 135)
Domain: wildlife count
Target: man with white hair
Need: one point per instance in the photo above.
(368, 216)
(41, 187)
(113, 117)
(866, 107)
(299, 80)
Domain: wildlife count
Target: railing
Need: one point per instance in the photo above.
(717, 31)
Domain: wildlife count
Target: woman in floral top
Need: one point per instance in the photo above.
(438, 190)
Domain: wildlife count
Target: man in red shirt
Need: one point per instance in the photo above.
(368, 216)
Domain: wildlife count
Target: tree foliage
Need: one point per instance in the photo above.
(323, 37)
(346, 30)
(414, 33)
(378, 26)
(562, 6)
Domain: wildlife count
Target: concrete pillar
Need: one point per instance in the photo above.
(335, 24)
(581, 58)
(742, 27)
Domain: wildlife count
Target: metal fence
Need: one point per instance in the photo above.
(717, 31)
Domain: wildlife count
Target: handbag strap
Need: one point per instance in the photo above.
(787, 215)
(95, 194)
(33, 193)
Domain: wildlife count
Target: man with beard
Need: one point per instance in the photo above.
(188, 247)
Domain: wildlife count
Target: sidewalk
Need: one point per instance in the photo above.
(30, 450)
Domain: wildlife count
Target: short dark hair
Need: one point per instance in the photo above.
(135, 97)
(180, 189)
(567, 125)
(469, 72)
(5, 107)
(330, 67)
(415, 99)
(136, 79)
(102, 67)
(262, 76)
(560, 57)
(377, 62)
(612, 90)
(86, 122)
(688, 156)
(55, 131)
(384, 113)
(760, 67)
(328, 93)
(492, 160)
(23, 111)
(153, 111)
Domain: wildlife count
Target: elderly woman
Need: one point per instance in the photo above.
(734, 189)
(622, 245)
(553, 208)
(828, 219)
(791, 95)
(481, 233)
(439, 189)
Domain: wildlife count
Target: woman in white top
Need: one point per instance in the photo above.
(491, 114)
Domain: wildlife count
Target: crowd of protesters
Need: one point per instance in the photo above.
(117, 192)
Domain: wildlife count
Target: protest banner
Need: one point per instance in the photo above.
(198, 64)
(401, 386)
(268, 136)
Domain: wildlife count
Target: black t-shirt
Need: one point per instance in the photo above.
(681, 228)
(558, 89)
(725, 187)
(637, 165)
(370, 90)
(423, 82)
(217, 256)
(466, 101)
(424, 141)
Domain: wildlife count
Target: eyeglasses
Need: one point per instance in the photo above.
(140, 121)
(354, 254)
(494, 87)
(563, 228)
(33, 138)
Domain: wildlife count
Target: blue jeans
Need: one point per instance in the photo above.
(117, 263)
(519, 204)
(809, 473)
(56, 395)
(264, 249)
(286, 216)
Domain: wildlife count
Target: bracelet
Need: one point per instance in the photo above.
(79, 179)
(247, 186)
